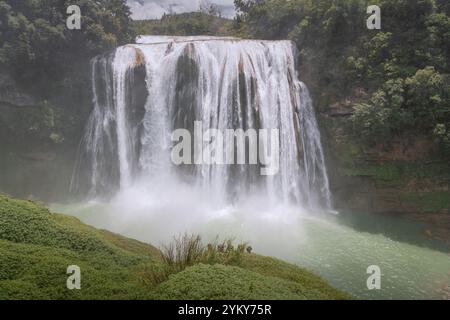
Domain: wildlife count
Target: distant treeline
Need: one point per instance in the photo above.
(186, 24)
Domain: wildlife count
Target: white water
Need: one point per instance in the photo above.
(226, 84)
(120, 66)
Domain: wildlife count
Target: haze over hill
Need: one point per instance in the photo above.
(155, 9)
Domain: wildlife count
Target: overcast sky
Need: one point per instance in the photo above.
(154, 9)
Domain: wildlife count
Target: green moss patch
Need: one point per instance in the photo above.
(399, 173)
(430, 202)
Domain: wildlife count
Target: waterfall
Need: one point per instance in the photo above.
(143, 92)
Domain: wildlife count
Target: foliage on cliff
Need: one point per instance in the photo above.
(402, 70)
(37, 246)
(35, 43)
(46, 61)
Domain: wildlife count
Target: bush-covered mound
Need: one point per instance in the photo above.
(37, 246)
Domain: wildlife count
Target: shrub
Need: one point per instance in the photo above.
(188, 250)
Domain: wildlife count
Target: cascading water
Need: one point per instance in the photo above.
(145, 91)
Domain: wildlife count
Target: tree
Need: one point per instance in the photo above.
(209, 8)
(35, 43)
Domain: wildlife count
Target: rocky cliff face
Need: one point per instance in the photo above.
(38, 141)
(404, 176)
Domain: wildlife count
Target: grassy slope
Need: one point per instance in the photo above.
(36, 247)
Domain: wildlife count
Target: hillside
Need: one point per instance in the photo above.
(185, 24)
(37, 246)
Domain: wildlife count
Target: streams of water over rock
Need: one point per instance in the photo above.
(145, 91)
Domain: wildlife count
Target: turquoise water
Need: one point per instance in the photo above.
(409, 271)
(340, 248)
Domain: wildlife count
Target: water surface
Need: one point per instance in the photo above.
(339, 248)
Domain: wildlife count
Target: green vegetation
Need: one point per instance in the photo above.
(418, 103)
(185, 24)
(402, 71)
(187, 251)
(37, 246)
(224, 271)
(46, 61)
(233, 283)
(43, 123)
(36, 45)
(430, 202)
(401, 172)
